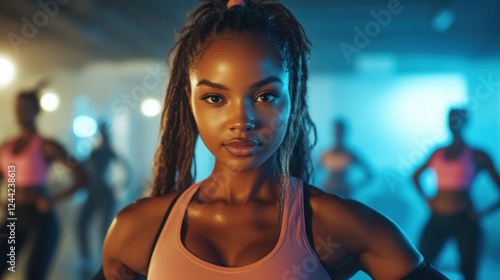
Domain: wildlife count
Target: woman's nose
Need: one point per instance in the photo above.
(242, 116)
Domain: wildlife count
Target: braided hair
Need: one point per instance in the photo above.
(266, 19)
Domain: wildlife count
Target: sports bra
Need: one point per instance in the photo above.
(291, 258)
(31, 167)
(454, 174)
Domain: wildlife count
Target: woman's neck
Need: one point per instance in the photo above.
(28, 131)
(457, 141)
(242, 186)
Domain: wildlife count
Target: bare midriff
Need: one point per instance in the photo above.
(452, 202)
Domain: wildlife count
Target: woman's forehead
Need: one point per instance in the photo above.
(246, 56)
(240, 44)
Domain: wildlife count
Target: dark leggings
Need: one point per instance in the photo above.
(461, 226)
(43, 228)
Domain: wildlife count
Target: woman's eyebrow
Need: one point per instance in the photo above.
(268, 80)
(211, 84)
(261, 83)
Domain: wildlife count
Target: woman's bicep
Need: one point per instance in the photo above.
(485, 162)
(117, 254)
(370, 241)
(389, 253)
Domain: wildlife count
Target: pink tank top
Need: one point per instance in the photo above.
(291, 258)
(31, 168)
(454, 174)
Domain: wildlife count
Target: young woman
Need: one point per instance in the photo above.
(239, 81)
(453, 213)
(339, 161)
(24, 165)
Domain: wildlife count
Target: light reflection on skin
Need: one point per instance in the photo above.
(219, 218)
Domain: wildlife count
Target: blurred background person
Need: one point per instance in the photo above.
(453, 212)
(29, 156)
(339, 161)
(100, 204)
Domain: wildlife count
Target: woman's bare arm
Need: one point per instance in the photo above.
(484, 162)
(53, 151)
(416, 177)
(129, 241)
(365, 240)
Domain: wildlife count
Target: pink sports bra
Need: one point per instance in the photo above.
(454, 174)
(291, 258)
(31, 168)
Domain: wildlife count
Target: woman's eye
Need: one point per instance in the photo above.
(266, 97)
(212, 99)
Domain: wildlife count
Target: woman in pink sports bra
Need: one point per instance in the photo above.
(28, 156)
(238, 80)
(453, 213)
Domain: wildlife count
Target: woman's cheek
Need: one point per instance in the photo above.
(209, 127)
(279, 120)
(273, 126)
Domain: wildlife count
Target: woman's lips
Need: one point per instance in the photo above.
(241, 147)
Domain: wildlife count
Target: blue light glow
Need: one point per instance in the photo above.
(421, 103)
(84, 126)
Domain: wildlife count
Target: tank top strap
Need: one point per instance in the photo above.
(295, 213)
(180, 203)
(162, 224)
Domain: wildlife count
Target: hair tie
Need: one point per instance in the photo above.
(231, 3)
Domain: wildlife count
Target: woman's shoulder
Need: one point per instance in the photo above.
(438, 150)
(147, 212)
(346, 219)
(8, 142)
(148, 206)
(321, 199)
(482, 157)
(130, 237)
